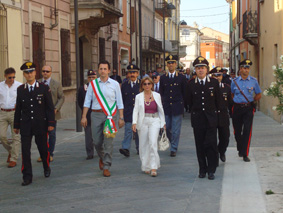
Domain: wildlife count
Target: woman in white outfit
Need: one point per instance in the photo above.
(148, 118)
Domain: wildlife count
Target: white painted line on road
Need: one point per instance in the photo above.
(241, 189)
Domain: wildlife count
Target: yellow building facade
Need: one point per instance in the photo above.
(257, 34)
(11, 41)
(271, 48)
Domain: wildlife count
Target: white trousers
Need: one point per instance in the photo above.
(148, 147)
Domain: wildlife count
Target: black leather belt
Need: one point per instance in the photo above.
(243, 104)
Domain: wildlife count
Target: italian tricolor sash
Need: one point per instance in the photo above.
(110, 129)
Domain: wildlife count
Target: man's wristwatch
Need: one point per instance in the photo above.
(121, 119)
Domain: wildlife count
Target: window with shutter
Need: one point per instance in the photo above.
(65, 58)
(101, 49)
(38, 48)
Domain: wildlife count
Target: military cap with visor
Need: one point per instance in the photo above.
(171, 58)
(246, 63)
(91, 72)
(216, 70)
(200, 61)
(132, 67)
(28, 67)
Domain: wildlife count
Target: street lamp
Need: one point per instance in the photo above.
(170, 6)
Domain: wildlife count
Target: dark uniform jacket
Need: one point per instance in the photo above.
(172, 92)
(81, 100)
(225, 105)
(226, 79)
(34, 111)
(203, 102)
(129, 95)
(116, 78)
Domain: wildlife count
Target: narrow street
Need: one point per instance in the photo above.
(78, 185)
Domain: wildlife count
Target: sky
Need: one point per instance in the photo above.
(206, 13)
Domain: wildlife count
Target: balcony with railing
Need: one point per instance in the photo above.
(97, 13)
(150, 44)
(161, 6)
(250, 29)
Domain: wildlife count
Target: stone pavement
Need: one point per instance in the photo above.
(77, 185)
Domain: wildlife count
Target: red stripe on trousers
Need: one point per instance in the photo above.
(48, 153)
(248, 148)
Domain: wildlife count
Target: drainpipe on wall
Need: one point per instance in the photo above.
(111, 33)
(55, 12)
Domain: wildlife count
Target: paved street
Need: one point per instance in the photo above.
(77, 185)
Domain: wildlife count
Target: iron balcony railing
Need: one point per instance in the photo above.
(250, 19)
(151, 44)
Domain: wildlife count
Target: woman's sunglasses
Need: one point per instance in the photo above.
(46, 71)
(146, 84)
(11, 77)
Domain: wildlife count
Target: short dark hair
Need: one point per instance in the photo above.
(9, 70)
(104, 62)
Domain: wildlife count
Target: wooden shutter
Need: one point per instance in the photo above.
(38, 47)
(115, 55)
(65, 58)
(101, 49)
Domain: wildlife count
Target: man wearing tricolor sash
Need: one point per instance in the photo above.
(105, 95)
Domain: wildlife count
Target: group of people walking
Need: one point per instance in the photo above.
(145, 107)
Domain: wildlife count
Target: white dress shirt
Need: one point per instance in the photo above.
(202, 80)
(171, 75)
(111, 91)
(29, 85)
(8, 95)
(47, 81)
(132, 83)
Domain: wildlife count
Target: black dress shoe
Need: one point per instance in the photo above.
(246, 159)
(138, 152)
(125, 152)
(211, 176)
(89, 157)
(223, 157)
(201, 175)
(240, 155)
(47, 172)
(26, 182)
(173, 154)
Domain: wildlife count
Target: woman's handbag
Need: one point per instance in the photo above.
(163, 143)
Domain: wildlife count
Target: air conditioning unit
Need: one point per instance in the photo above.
(261, 1)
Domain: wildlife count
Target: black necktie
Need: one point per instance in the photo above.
(31, 89)
(45, 82)
(201, 83)
(133, 84)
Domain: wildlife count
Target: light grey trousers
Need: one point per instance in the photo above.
(103, 145)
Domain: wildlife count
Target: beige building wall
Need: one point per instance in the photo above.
(271, 41)
(14, 34)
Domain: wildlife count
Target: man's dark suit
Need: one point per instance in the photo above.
(225, 108)
(116, 78)
(34, 113)
(203, 101)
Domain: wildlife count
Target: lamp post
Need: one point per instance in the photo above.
(78, 114)
(170, 6)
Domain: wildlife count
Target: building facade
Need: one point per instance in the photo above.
(11, 40)
(212, 50)
(223, 38)
(190, 37)
(253, 36)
